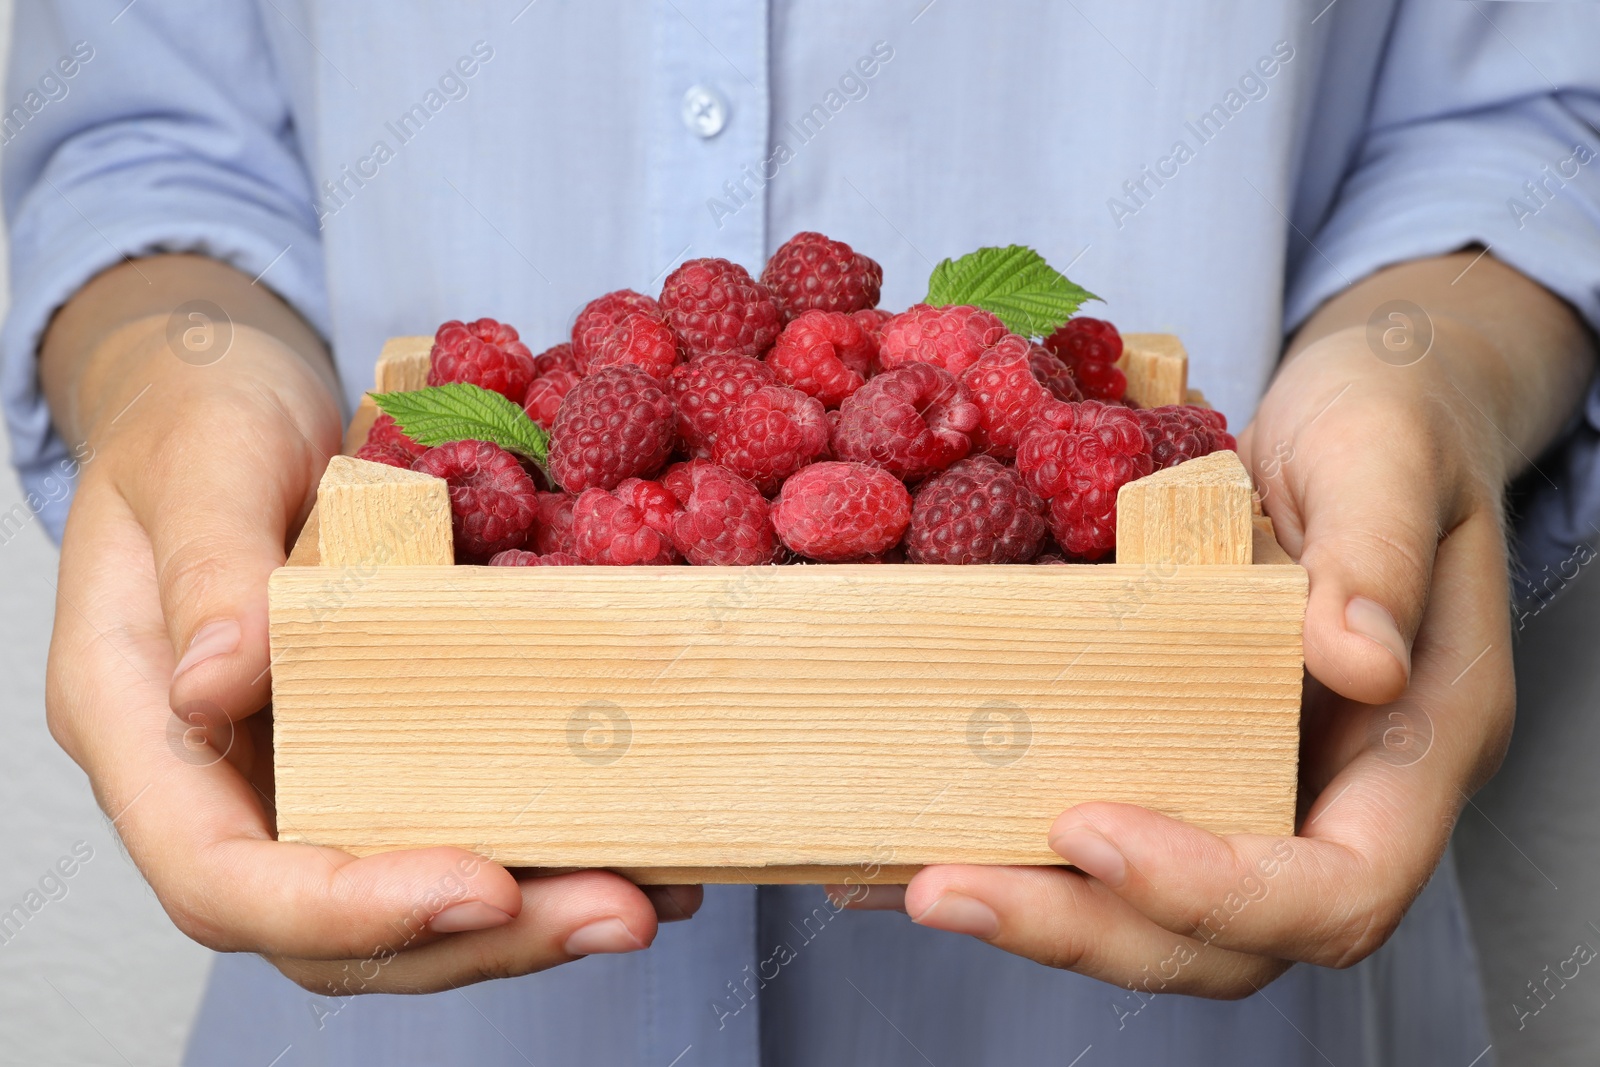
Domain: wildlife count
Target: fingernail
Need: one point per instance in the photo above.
(1372, 620)
(1092, 854)
(960, 915)
(468, 915)
(216, 638)
(603, 935)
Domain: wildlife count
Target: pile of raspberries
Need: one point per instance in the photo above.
(732, 421)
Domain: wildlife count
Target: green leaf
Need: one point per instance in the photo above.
(439, 414)
(1027, 294)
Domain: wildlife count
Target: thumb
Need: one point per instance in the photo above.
(1368, 533)
(218, 519)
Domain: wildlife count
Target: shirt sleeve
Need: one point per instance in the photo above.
(162, 130)
(1483, 131)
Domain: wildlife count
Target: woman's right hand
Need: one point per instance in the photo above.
(194, 470)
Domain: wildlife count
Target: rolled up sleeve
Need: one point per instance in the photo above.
(172, 134)
(1483, 131)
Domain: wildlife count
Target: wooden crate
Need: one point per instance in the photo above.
(777, 724)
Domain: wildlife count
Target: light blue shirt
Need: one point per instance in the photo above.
(1215, 170)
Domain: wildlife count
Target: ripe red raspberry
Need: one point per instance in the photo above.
(825, 354)
(554, 358)
(949, 337)
(1007, 394)
(492, 500)
(718, 309)
(811, 271)
(837, 512)
(386, 431)
(1178, 432)
(386, 443)
(516, 557)
(600, 316)
(1090, 348)
(642, 339)
(627, 528)
(1053, 374)
(873, 320)
(617, 423)
(725, 521)
(387, 452)
(893, 554)
(705, 389)
(911, 422)
(552, 533)
(679, 478)
(543, 399)
(485, 353)
(1078, 456)
(770, 434)
(978, 511)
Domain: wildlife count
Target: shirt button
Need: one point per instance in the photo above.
(704, 111)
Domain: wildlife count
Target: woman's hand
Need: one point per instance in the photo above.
(196, 467)
(1384, 478)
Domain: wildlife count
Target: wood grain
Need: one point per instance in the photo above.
(775, 722)
(374, 514)
(1157, 367)
(1196, 512)
(403, 364)
(1265, 547)
(355, 435)
(305, 552)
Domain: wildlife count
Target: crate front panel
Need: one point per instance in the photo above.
(840, 715)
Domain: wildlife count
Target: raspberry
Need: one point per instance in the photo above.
(725, 521)
(516, 557)
(492, 500)
(627, 528)
(911, 422)
(873, 320)
(388, 453)
(543, 399)
(554, 358)
(977, 511)
(1078, 456)
(679, 478)
(811, 271)
(643, 339)
(386, 431)
(836, 512)
(718, 309)
(1090, 348)
(893, 554)
(617, 423)
(825, 354)
(386, 443)
(485, 353)
(1007, 394)
(1053, 374)
(552, 534)
(1178, 432)
(600, 316)
(949, 337)
(772, 433)
(705, 389)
